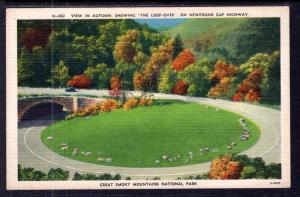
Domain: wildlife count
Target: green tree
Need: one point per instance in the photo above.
(126, 71)
(59, 75)
(100, 75)
(167, 79)
(24, 69)
(197, 77)
(178, 46)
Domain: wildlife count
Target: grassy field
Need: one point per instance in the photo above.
(139, 137)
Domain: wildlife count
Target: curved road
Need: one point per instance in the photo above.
(32, 153)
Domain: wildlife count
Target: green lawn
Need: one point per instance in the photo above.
(139, 137)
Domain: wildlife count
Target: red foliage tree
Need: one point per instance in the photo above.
(80, 81)
(180, 88)
(185, 58)
(223, 168)
(35, 36)
(115, 86)
(249, 89)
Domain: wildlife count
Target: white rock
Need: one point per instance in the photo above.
(165, 157)
(64, 148)
(157, 161)
(63, 144)
(190, 153)
(178, 156)
(100, 159)
(108, 160)
(229, 147)
(50, 138)
(87, 153)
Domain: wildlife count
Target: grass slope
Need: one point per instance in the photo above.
(138, 137)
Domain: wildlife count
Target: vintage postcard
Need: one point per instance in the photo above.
(148, 97)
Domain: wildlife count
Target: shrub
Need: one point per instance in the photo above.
(109, 105)
(106, 176)
(130, 103)
(80, 81)
(224, 168)
(180, 88)
(30, 174)
(145, 102)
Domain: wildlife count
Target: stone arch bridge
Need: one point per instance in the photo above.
(71, 104)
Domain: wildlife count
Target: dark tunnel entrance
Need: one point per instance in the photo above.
(45, 111)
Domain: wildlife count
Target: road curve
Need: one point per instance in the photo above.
(33, 153)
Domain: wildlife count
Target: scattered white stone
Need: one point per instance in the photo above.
(191, 157)
(157, 161)
(206, 149)
(229, 147)
(233, 144)
(64, 148)
(100, 159)
(200, 153)
(63, 144)
(178, 156)
(190, 153)
(50, 138)
(82, 152)
(174, 158)
(165, 157)
(201, 149)
(108, 160)
(170, 160)
(243, 138)
(75, 151)
(87, 153)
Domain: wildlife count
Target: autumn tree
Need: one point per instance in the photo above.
(180, 88)
(115, 87)
(249, 89)
(160, 56)
(127, 47)
(185, 58)
(80, 81)
(224, 168)
(137, 80)
(269, 67)
(222, 78)
(59, 75)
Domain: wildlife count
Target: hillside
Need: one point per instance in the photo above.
(234, 39)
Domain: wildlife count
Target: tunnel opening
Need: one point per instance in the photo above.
(45, 111)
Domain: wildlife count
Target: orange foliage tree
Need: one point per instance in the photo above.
(137, 80)
(224, 168)
(222, 77)
(249, 89)
(115, 86)
(185, 58)
(160, 56)
(180, 88)
(80, 81)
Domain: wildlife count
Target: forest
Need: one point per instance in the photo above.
(236, 59)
